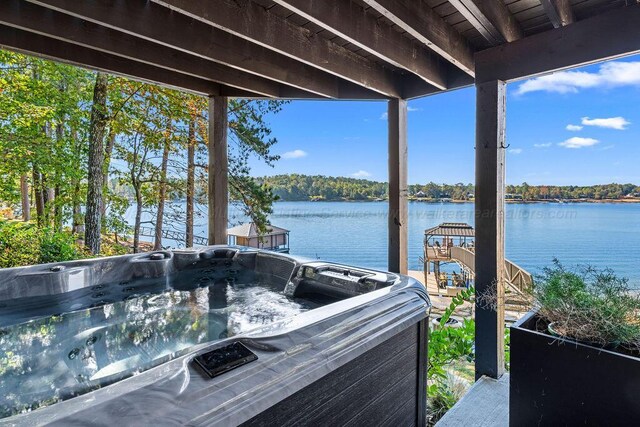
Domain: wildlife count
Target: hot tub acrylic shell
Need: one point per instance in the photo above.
(361, 360)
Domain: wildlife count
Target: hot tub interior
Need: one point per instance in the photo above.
(68, 329)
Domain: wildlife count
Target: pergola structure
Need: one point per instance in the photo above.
(391, 50)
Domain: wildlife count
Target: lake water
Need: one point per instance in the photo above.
(598, 234)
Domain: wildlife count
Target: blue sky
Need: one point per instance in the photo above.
(577, 127)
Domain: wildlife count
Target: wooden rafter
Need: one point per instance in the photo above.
(351, 22)
(252, 22)
(491, 18)
(160, 25)
(559, 12)
(419, 20)
(35, 44)
(33, 18)
(607, 35)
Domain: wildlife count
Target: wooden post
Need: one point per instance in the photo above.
(218, 189)
(398, 206)
(489, 224)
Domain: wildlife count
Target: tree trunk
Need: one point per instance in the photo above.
(24, 193)
(49, 204)
(108, 150)
(93, 217)
(38, 195)
(77, 221)
(162, 194)
(57, 205)
(77, 226)
(136, 227)
(57, 209)
(191, 180)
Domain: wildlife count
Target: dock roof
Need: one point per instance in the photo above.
(451, 229)
(250, 230)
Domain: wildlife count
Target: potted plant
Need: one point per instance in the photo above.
(575, 359)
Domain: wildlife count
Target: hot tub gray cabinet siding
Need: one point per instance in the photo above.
(385, 386)
(358, 361)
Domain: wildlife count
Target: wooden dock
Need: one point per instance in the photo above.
(440, 302)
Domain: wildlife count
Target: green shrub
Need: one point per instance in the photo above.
(589, 305)
(25, 244)
(56, 247)
(19, 244)
(448, 347)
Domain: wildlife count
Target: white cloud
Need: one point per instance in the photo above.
(385, 115)
(611, 74)
(619, 123)
(578, 142)
(574, 128)
(295, 154)
(361, 174)
(515, 150)
(545, 145)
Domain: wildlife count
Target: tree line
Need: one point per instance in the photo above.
(69, 138)
(575, 192)
(298, 187)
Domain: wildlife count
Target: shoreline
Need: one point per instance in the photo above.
(522, 202)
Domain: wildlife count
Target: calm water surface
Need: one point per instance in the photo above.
(603, 235)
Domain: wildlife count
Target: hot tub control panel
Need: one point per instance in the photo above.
(224, 359)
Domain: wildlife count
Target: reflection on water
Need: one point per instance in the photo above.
(53, 358)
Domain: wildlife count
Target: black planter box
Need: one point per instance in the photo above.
(561, 382)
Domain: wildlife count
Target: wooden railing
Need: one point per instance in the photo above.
(173, 235)
(464, 256)
(181, 238)
(518, 279)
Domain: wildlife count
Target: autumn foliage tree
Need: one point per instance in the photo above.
(69, 137)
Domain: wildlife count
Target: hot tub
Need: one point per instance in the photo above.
(212, 336)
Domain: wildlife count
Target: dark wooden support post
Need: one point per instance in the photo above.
(398, 206)
(218, 190)
(489, 210)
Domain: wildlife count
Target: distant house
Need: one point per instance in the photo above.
(421, 194)
(510, 196)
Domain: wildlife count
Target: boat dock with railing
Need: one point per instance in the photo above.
(449, 266)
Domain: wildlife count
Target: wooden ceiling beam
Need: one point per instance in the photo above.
(33, 18)
(350, 21)
(250, 21)
(491, 18)
(160, 25)
(423, 23)
(48, 48)
(609, 35)
(559, 12)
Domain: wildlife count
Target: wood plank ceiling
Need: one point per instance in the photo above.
(322, 49)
